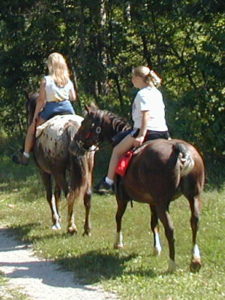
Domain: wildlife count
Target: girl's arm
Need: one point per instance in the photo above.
(72, 95)
(41, 100)
(138, 141)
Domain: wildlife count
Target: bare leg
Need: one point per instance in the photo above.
(29, 140)
(119, 150)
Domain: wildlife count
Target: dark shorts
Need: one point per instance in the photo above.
(150, 135)
(56, 108)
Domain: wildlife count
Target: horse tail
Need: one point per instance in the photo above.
(78, 172)
(184, 158)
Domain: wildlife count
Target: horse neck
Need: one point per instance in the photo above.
(113, 125)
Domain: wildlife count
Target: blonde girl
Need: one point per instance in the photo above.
(56, 92)
(148, 114)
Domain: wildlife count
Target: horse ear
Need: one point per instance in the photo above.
(91, 107)
(27, 95)
(31, 96)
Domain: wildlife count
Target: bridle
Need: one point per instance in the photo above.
(94, 135)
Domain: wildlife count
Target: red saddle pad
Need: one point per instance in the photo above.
(124, 163)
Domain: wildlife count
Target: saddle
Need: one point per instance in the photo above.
(126, 158)
(124, 162)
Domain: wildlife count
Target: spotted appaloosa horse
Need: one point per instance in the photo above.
(69, 173)
(160, 171)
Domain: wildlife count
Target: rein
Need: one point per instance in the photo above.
(95, 132)
(89, 135)
(80, 145)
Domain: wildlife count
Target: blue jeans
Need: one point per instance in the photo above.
(56, 108)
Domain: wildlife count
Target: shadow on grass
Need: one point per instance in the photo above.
(90, 267)
(21, 232)
(95, 266)
(16, 257)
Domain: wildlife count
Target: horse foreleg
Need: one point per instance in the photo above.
(195, 216)
(87, 204)
(47, 181)
(121, 207)
(164, 217)
(71, 224)
(155, 230)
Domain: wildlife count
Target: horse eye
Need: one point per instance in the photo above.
(98, 129)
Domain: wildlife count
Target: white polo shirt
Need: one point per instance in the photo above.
(55, 93)
(149, 99)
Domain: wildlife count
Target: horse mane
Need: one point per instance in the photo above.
(116, 122)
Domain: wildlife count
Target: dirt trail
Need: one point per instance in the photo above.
(41, 279)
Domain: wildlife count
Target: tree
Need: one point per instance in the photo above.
(103, 39)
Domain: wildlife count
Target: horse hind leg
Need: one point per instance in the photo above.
(55, 204)
(164, 217)
(195, 206)
(47, 181)
(60, 184)
(155, 230)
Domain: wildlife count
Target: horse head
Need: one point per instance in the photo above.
(97, 126)
(89, 133)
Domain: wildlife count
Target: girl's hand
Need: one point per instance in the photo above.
(138, 141)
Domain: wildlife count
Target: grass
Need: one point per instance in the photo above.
(133, 272)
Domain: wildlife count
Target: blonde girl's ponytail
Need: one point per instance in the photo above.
(155, 78)
(58, 69)
(148, 75)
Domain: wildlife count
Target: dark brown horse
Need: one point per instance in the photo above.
(160, 171)
(69, 173)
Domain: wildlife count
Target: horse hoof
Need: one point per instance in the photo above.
(118, 246)
(195, 265)
(56, 226)
(72, 230)
(156, 252)
(171, 267)
(86, 233)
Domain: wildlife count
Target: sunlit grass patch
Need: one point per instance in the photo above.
(133, 272)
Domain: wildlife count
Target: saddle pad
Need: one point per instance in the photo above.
(57, 123)
(124, 163)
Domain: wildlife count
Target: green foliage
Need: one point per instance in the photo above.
(103, 40)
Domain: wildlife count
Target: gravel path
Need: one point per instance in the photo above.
(41, 279)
